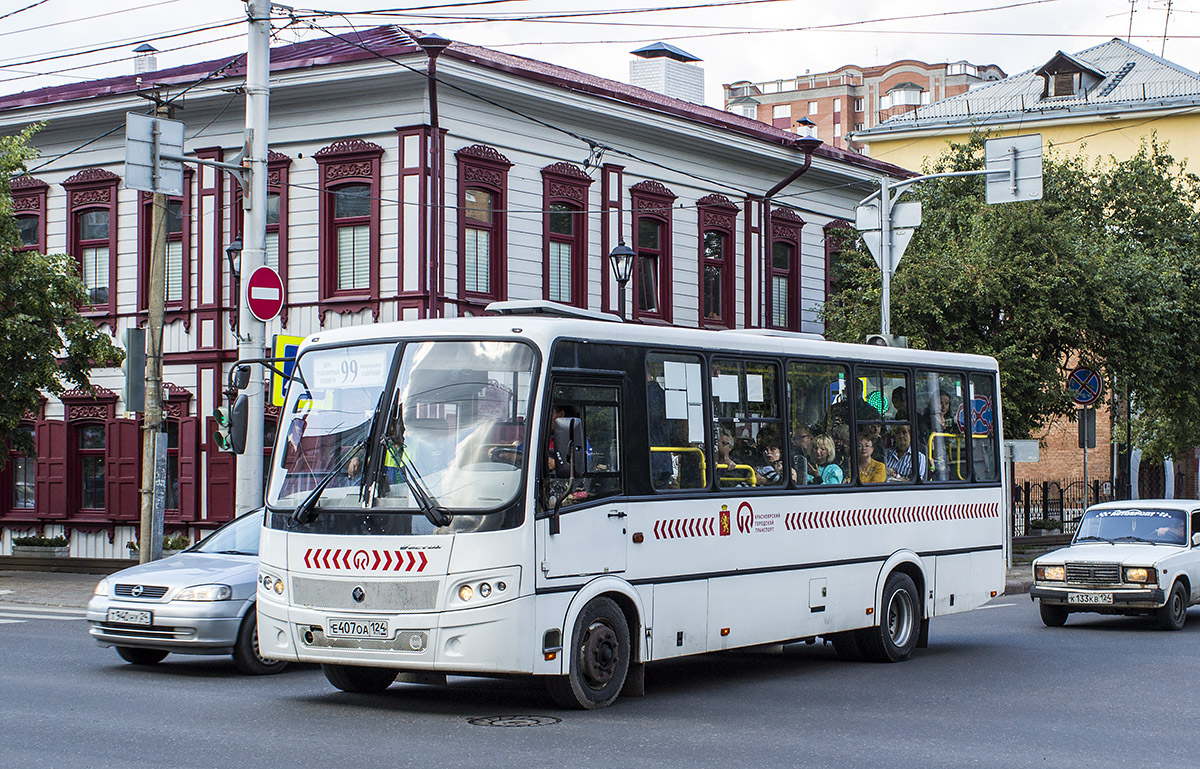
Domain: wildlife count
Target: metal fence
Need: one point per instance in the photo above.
(1054, 506)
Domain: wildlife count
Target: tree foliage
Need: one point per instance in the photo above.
(1102, 271)
(46, 345)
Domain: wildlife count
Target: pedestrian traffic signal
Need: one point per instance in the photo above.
(231, 426)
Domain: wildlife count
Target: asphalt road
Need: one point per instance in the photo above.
(995, 689)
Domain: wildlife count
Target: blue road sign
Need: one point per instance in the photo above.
(1085, 386)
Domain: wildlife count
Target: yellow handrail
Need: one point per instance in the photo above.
(751, 477)
(687, 450)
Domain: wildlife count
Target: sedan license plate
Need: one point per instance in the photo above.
(356, 628)
(129, 617)
(1089, 598)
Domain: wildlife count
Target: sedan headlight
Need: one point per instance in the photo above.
(1144, 574)
(205, 593)
(101, 588)
(1050, 573)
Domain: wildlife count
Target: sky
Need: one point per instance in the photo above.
(41, 41)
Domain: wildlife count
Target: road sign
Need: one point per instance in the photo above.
(285, 347)
(264, 293)
(906, 214)
(147, 139)
(1020, 158)
(1085, 386)
(1087, 428)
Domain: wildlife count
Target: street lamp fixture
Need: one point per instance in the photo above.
(622, 258)
(233, 252)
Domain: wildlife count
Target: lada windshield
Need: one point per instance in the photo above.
(447, 440)
(1153, 525)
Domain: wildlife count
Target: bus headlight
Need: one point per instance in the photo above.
(465, 593)
(271, 583)
(1050, 573)
(484, 588)
(1143, 574)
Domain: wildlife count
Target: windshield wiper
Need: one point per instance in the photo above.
(1098, 539)
(428, 504)
(1131, 538)
(306, 510)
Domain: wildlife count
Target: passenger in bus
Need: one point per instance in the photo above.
(841, 442)
(770, 470)
(870, 469)
(825, 456)
(353, 475)
(898, 459)
(728, 474)
(900, 403)
(803, 468)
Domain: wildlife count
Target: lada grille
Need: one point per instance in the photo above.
(399, 596)
(146, 592)
(1094, 573)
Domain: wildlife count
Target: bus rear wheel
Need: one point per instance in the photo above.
(360, 680)
(598, 661)
(894, 639)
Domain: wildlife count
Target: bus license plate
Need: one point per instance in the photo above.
(356, 628)
(1089, 598)
(129, 617)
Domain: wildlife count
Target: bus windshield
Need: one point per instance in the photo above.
(453, 428)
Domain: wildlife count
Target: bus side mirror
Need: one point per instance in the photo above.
(568, 434)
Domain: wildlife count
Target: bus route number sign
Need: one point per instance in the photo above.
(1085, 386)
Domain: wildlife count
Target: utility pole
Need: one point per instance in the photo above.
(252, 342)
(154, 441)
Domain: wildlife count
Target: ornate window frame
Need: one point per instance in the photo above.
(785, 226)
(278, 166)
(95, 189)
(652, 200)
(178, 308)
(483, 168)
(351, 161)
(717, 213)
(29, 199)
(566, 184)
(833, 242)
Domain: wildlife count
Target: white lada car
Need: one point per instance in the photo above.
(1131, 557)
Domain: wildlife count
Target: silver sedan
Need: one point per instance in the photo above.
(200, 601)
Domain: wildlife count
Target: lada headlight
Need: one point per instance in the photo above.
(1143, 574)
(1050, 573)
(205, 593)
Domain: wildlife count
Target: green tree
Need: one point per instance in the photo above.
(1101, 271)
(45, 344)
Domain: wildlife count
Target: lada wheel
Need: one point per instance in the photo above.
(1174, 612)
(598, 660)
(894, 639)
(136, 656)
(246, 657)
(352, 678)
(1052, 615)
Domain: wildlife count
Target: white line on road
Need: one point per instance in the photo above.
(996, 606)
(33, 615)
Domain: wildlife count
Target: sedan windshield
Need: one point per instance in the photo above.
(238, 537)
(1167, 527)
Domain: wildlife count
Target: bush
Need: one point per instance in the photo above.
(1048, 524)
(175, 542)
(40, 540)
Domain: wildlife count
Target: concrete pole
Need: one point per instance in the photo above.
(150, 538)
(885, 256)
(252, 343)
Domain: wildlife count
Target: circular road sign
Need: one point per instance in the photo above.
(264, 293)
(1085, 386)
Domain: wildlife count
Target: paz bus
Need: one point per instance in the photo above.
(544, 491)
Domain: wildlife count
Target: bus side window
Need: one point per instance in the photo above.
(598, 408)
(679, 452)
(982, 419)
(939, 400)
(818, 431)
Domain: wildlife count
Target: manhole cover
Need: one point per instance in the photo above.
(514, 721)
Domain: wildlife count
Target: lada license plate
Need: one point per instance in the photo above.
(129, 616)
(1089, 598)
(356, 628)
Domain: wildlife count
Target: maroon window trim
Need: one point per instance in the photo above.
(278, 166)
(87, 409)
(341, 164)
(94, 189)
(29, 200)
(483, 168)
(718, 223)
(652, 202)
(612, 224)
(566, 185)
(834, 238)
(785, 234)
(8, 477)
(177, 309)
(186, 452)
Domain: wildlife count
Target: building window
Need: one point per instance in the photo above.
(277, 217)
(858, 105)
(858, 126)
(812, 108)
(565, 228)
(90, 462)
(783, 276)
(652, 223)
(24, 474)
(837, 130)
(92, 234)
(781, 110)
(29, 207)
(349, 240)
(837, 105)
(718, 220)
(178, 268)
(836, 234)
(482, 225)
(750, 111)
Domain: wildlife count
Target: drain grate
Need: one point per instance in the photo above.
(514, 721)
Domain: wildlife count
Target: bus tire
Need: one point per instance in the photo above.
(895, 637)
(1053, 615)
(360, 680)
(599, 658)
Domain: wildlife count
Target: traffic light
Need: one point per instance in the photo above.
(887, 340)
(231, 426)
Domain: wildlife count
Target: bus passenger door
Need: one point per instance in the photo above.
(589, 536)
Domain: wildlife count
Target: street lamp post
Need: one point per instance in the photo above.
(622, 258)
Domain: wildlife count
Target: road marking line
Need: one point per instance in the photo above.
(34, 615)
(996, 606)
(74, 611)
(12, 622)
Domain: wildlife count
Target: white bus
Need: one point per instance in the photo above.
(572, 498)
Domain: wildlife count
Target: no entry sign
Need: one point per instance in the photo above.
(264, 294)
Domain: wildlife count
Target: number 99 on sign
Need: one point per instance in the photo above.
(339, 369)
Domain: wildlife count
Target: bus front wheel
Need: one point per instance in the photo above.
(895, 637)
(361, 680)
(598, 661)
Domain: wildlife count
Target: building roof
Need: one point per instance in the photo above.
(659, 50)
(391, 41)
(1130, 79)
